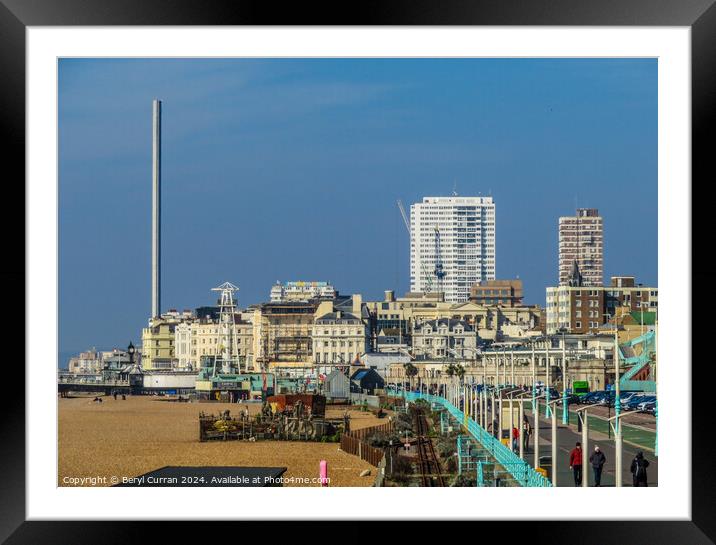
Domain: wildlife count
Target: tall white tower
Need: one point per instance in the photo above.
(227, 327)
(156, 205)
(452, 237)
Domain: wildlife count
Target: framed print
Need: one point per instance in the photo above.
(423, 264)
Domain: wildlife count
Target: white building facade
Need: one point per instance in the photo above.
(301, 291)
(338, 338)
(465, 230)
(445, 338)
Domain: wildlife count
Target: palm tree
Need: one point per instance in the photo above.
(410, 372)
(460, 371)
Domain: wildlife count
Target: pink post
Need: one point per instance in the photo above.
(324, 473)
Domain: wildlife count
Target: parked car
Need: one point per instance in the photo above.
(648, 399)
(605, 399)
(590, 398)
(553, 393)
(572, 399)
(624, 398)
(649, 407)
(633, 403)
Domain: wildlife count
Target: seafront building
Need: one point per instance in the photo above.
(339, 338)
(577, 308)
(301, 291)
(88, 362)
(497, 292)
(492, 322)
(452, 245)
(444, 338)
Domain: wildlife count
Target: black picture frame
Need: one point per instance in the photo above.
(16, 15)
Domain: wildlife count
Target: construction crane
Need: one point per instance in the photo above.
(439, 272)
(427, 278)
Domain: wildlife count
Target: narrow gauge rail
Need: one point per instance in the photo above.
(428, 462)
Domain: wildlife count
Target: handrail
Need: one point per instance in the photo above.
(516, 466)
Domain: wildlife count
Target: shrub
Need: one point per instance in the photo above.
(465, 479)
(402, 469)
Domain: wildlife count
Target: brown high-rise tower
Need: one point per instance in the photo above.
(581, 240)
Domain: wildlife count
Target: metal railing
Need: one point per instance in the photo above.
(520, 470)
(68, 379)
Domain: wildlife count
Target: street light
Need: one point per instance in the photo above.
(554, 442)
(617, 395)
(535, 409)
(656, 384)
(521, 402)
(582, 415)
(548, 368)
(565, 405)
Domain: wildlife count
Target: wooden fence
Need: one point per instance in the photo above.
(367, 432)
(353, 443)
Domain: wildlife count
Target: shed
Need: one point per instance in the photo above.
(367, 381)
(337, 385)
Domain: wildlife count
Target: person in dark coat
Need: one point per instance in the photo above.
(526, 432)
(597, 459)
(638, 469)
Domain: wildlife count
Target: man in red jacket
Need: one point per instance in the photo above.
(575, 464)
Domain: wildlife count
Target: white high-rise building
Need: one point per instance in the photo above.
(462, 230)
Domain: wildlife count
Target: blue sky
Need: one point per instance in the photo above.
(284, 169)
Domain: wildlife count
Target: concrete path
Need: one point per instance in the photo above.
(567, 436)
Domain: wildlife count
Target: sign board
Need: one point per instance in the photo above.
(228, 385)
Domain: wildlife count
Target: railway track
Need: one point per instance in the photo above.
(428, 461)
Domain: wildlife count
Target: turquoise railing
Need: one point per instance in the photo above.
(638, 362)
(520, 470)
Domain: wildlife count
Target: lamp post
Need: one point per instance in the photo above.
(617, 396)
(521, 402)
(547, 381)
(583, 419)
(512, 365)
(656, 383)
(535, 404)
(616, 426)
(554, 442)
(565, 405)
(534, 383)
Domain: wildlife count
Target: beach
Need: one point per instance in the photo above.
(127, 438)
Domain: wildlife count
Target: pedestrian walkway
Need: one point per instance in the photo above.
(567, 436)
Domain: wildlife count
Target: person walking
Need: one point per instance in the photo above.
(638, 469)
(597, 459)
(515, 439)
(526, 432)
(575, 463)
